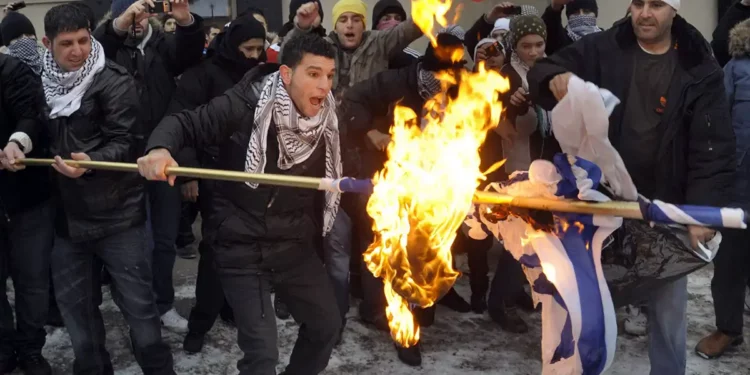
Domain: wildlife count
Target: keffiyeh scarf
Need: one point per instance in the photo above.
(25, 49)
(428, 84)
(580, 25)
(64, 90)
(298, 138)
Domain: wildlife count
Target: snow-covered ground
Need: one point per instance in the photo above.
(456, 344)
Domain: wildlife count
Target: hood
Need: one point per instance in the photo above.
(739, 40)
(381, 6)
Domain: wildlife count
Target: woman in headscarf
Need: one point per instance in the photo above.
(237, 50)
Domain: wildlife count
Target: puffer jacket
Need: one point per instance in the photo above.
(163, 58)
(268, 225)
(371, 57)
(100, 203)
(737, 84)
(22, 110)
(695, 161)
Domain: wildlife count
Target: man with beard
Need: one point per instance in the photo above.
(155, 59)
(93, 108)
(672, 130)
(279, 120)
(581, 22)
(237, 50)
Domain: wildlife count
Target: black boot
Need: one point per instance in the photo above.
(509, 320)
(34, 364)
(410, 356)
(282, 312)
(455, 302)
(227, 314)
(193, 343)
(525, 302)
(478, 303)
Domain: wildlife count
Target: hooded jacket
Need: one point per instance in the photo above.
(163, 58)
(21, 107)
(695, 160)
(398, 59)
(720, 42)
(737, 84)
(268, 225)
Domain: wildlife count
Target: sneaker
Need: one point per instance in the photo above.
(172, 321)
(282, 312)
(35, 365)
(637, 323)
(193, 343)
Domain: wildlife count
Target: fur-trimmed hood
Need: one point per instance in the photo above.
(739, 40)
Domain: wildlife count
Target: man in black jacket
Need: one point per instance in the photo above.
(672, 130)
(277, 120)
(93, 107)
(26, 222)
(155, 59)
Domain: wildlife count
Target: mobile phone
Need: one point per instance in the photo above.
(513, 10)
(160, 7)
(495, 49)
(17, 6)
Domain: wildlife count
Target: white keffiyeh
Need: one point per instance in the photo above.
(298, 138)
(64, 90)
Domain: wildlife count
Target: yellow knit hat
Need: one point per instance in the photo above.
(353, 6)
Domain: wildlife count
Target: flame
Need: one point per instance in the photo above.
(426, 12)
(420, 198)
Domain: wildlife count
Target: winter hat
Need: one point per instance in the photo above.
(228, 42)
(353, 6)
(15, 25)
(527, 25)
(445, 40)
(502, 24)
(454, 30)
(120, 6)
(673, 3)
(574, 7)
(294, 5)
(530, 10)
(383, 7)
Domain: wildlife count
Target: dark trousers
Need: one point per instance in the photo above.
(74, 271)
(185, 236)
(507, 284)
(164, 219)
(476, 253)
(25, 247)
(210, 301)
(731, 273)
(306, 289)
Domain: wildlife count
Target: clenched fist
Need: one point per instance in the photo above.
(308, 16)
(154, 165)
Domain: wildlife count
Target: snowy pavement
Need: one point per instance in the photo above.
(455, 344)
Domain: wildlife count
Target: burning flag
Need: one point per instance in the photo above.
(421, 197)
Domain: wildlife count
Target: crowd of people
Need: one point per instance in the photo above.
(176, 91)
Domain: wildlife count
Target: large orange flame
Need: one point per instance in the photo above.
(422, 195)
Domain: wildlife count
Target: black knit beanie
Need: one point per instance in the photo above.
(574, 7)
(14, 26)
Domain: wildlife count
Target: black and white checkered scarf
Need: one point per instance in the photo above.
(580, 25)
(298, 137)
(25, 49)
(64, 90)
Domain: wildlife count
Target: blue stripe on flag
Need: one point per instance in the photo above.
(567, 347)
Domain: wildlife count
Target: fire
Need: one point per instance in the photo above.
(422, 195)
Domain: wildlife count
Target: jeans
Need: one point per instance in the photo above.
(209, 296)
(667, 328)
(25, 247)
(306, 289)
(337, 253)
(124, 257)
(731, 274)
(164, 208)
(185, 236)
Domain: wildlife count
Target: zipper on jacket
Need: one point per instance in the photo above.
(708, 123)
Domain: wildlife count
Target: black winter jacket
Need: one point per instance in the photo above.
(720, 43)
(100, 203)
(165, 57)
(22, 108)
(696, 158)
(275, 221)
(557, 35)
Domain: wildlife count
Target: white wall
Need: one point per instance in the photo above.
(701, 13)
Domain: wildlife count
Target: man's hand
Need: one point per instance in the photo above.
(154, 165)
(558, 5)
(307, 16)
(136, 12)
(519, 98)
(559, 85)
(190, 191)
(700, 235)
(746, 3)
(10, 156)
(379, 140)
(181, 12)
(498, 11)
(67, 170)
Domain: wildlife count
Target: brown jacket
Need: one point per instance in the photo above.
(371, 57)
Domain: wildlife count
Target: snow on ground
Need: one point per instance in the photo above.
(455, 344)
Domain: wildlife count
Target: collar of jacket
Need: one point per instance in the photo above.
(335, 40)
(252, 83)
(693, 50)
